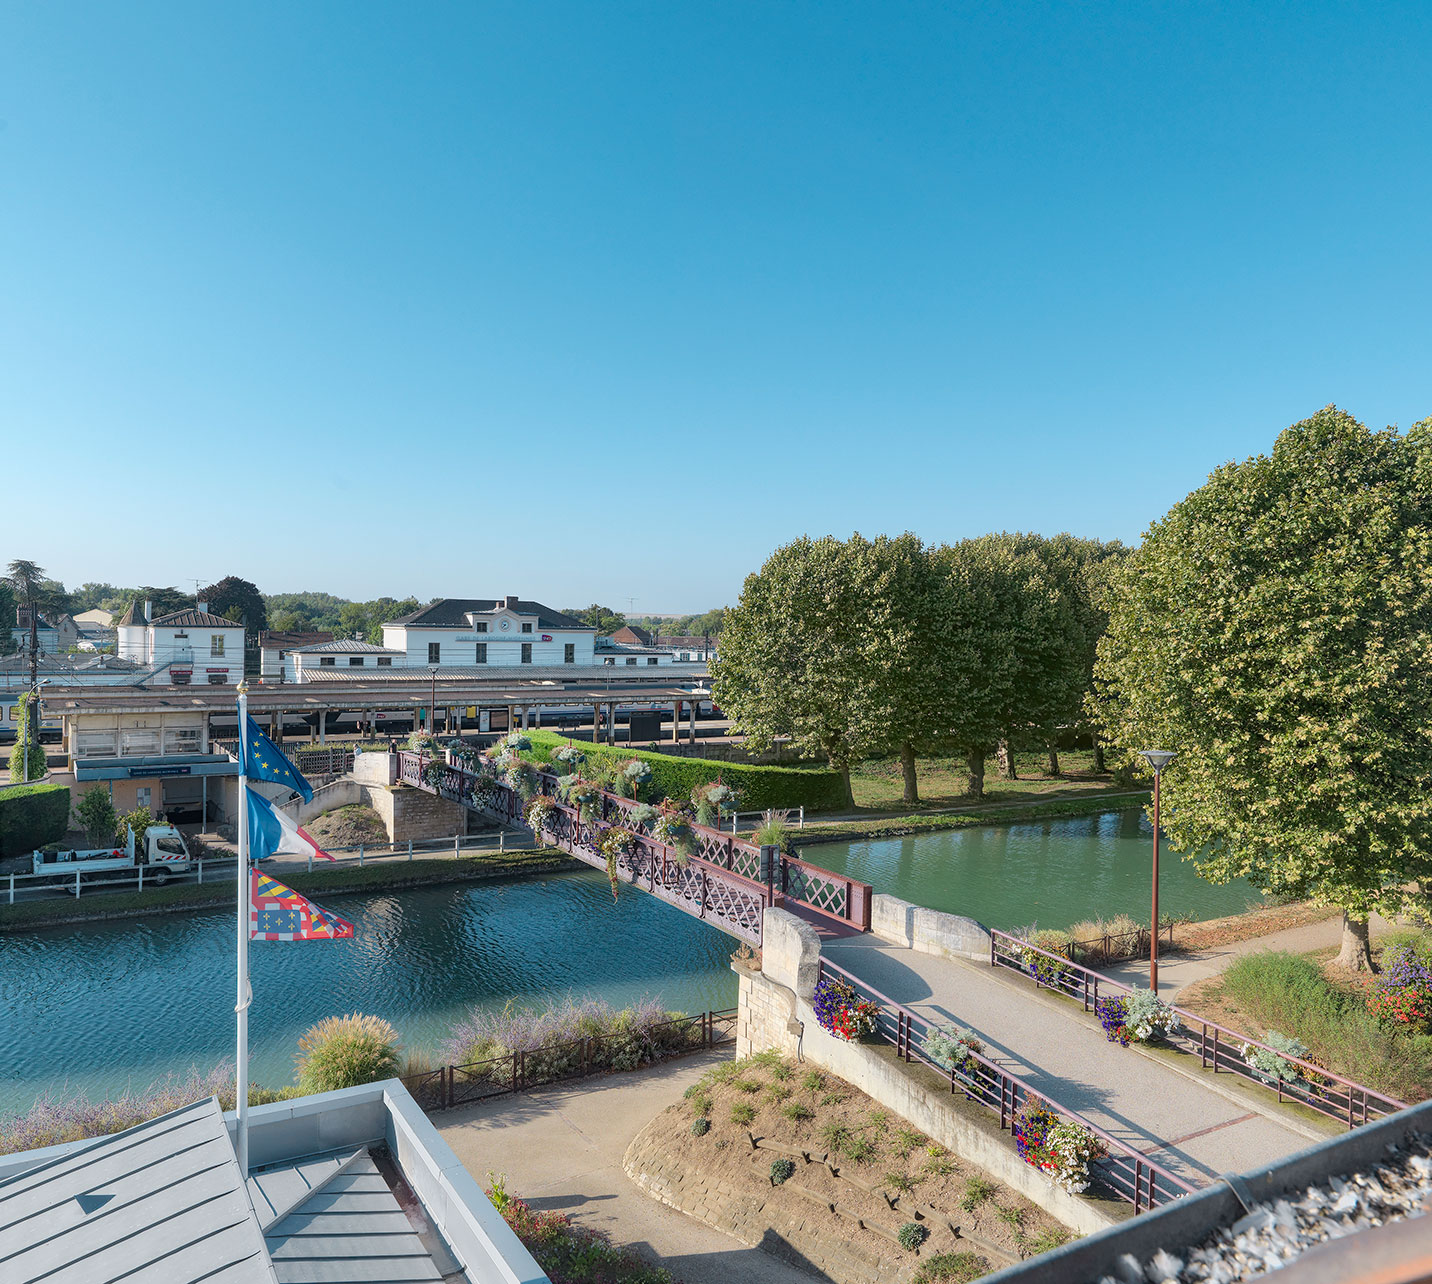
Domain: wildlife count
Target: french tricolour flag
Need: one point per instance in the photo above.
(272, 833)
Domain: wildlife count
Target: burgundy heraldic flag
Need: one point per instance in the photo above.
(278, 913)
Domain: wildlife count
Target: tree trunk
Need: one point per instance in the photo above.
(1356, 952)
(907, 768)
(976, 767)
(1053, 760)
(1006, 761)
(1098, 755)
(844, 770)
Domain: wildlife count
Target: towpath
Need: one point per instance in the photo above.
(1192, 1125)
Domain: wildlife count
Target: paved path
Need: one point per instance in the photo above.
(1179, 970)
(561, 1149)
(1180, 1121)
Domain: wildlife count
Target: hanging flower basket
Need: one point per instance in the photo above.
(954, 1048)
(673, 827)
(1139, 1016)
(616, 843)
(710, 801)
(435, 773)
(585, 797)
(1060, 1148)
(540, 815)
(521, 778)
(842, 1012)
(635, 775)
(568, 757)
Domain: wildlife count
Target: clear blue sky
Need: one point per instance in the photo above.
(606, 300)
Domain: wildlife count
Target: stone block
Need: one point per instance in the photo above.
(790, 952)
(892, 919)
(951, 935)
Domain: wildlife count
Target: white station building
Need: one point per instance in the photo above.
(457, 632)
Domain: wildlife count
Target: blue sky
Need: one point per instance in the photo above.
(606, 300)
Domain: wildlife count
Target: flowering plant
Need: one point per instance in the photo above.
(521, 778)
(634, 776)
(435, 773)
(514, 742)
(1403, 994)
(616, 843)
(841, 1011)
(1139, 1016)
(709, 800)
(481, 792)
(1059, 1148)
(672, 827)
(1271, 1064)
(1035, 951)
(422, 742)
(642, 814)
(585, 797)
(953, 1048)
(539, 815)
(569, 756)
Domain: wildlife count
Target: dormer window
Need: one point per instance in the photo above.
(480, 626)
(527, 628)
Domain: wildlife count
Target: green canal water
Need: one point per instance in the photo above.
(96, 1008)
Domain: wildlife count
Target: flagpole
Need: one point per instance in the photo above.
(241, 1005)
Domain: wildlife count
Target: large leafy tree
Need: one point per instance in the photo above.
(8, 618)
(1009, 648)
(239, 600)
(1276, 630)
(792, 662)
(602, 618)
(162, 601)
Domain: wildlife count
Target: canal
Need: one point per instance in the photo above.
(95, 1008)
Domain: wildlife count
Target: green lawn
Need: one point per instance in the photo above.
(879, 786)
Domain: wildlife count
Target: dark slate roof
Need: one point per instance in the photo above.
(269, 639)
(134, 615)
(197, 619)
(160, 1201)
(451, 613)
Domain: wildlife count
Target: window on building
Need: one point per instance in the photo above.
(181, 740)
(611, 659)
(385, 661)
(631, 659)
(480, 627)
(481, 657)
(527, 653)
(218, 679)
(527, 628)
(327, 659)
(569, 653)
(136, 743)
(96, 744)
(651, 659)
(435, 650)
(355, 661)
(216, 644)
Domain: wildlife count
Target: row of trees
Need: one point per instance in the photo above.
(312, 611)
(864, 648)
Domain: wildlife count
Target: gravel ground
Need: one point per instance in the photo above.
(1274, 1234)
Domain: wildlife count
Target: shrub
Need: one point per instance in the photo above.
(782, 1170)
(835, 1136)
(1403, 994)
(32, 816)
(743, 1112)
(749, 1086)
(95, 812)
(1271, 1064)
(701, 1103)
(951, 1268)
(912, 1234)
(812, 1081)
(700, 1127)
(777, 1093)
(940, 1165)
(861, 1149)
(342, 1052)
(759, 787)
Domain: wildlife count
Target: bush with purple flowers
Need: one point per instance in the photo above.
(1403, 993)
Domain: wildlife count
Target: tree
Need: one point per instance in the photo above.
(602, 618)
(95, 812)
(1274, 629)
(162, 601)
(8, 619)
(1008, 650)
(91, 596)
(232, 594)
(788, 666)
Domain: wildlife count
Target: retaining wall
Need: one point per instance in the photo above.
(775, 1012)
(928, 931)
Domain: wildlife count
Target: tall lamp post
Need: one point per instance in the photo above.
(433, 707)
(1158, 759)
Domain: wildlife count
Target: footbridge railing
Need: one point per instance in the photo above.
(725, 880)
(1217, 1048)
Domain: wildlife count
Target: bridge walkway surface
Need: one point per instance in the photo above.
(1187, 1125)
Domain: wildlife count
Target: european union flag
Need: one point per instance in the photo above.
(264, 760)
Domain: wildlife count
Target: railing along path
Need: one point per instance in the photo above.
(1123, 1171)
(1216, 1046)
(726, 880)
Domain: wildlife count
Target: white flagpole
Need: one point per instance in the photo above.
(241, 1006)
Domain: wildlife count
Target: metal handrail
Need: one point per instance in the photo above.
(1152, 1183)
(1374, 1104)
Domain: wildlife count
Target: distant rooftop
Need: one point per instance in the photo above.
(350, 646)
(452, 613)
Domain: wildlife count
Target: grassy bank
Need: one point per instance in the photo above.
(878, 784)
(385, 875)
(896, 826)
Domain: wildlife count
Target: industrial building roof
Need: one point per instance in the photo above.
(163, 1201)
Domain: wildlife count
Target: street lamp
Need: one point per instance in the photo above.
(1158, 759)
(433, 707)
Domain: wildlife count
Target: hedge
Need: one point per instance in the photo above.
(31, 816)
(757, 788)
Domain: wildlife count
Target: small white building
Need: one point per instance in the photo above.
(274, 648)
(322, 660)
(460, 632)
(184, 647)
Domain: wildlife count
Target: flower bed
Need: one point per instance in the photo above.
(1402, 995)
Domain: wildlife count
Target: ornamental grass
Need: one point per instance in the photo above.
(343, 1052)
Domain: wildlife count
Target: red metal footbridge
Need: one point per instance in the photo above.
(726, 881)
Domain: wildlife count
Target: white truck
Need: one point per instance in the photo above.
(164, 854)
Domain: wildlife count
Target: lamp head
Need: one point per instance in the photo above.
(1158, 759)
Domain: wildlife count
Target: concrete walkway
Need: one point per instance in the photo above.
(561, 1149)
(1144, 1102)
(1179, 970)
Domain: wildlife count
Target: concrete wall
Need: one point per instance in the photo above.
(928, 931)
(376, 768)
(775, 1012)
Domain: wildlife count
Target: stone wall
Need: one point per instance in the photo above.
(773, 1013)
(928, 931)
